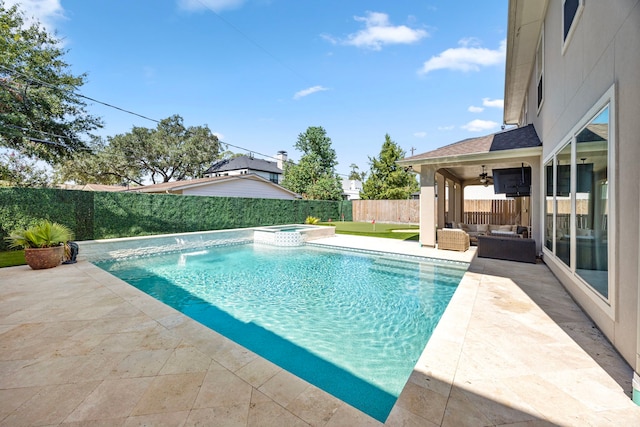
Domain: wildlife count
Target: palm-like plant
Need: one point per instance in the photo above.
(312, 220)
(44, 234)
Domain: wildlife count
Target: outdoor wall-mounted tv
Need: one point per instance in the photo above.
(513, 182)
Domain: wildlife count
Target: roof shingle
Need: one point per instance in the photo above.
(522, 137)
(244, 162)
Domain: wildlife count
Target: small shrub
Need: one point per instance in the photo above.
(312, 220)
(44, 234)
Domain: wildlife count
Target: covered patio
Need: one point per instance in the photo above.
(450, 169)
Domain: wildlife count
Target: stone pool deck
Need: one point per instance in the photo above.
(80, 347)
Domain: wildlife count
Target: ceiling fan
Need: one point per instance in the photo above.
(485, 179)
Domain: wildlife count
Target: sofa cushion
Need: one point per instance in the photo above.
(482, 228)
(463, 226)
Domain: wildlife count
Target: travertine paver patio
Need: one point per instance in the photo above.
(80, 347)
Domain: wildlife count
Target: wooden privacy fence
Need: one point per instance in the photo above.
(408, 211)
(395, 211)
(491, 212)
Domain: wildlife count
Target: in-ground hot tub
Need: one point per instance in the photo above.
(291, 234)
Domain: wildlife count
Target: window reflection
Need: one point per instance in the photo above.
(563, 205)
(592, 202)
(548, 206)
(585, 180)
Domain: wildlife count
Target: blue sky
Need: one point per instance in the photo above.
(259, 72)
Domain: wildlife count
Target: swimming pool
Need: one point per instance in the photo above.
(351, 323)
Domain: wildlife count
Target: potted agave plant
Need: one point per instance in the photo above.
(43, 243)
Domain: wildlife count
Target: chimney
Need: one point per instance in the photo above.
(282, 158)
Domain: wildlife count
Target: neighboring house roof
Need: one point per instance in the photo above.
(244, 162)
(102, 187)
(513, 139)
(94, 187)
(179, 186)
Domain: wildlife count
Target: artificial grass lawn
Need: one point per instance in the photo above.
(376, 230)
(11, 258)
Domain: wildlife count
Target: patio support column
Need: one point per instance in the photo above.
(428, 206)
(459, 202)
(455, 202)
(453, 212)
(442, 196)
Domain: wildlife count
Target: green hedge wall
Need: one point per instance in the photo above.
(102, 215)
(22, 207)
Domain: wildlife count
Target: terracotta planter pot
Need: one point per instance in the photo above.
(40, 258)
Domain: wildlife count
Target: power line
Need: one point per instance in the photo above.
(36, 130)
(253, 42)
(40, 140)
(51, 86)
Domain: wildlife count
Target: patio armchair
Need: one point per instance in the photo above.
(453, 239)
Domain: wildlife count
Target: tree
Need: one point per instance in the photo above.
(355, 175)
(171, 151)
(314, 176)
(386, 179)
(41, 115)
(22, 171)
(102, 165)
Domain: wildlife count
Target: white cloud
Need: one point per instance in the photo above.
(470, 42)
(309, 91)
(480, 125)
(495, 103)
(468, 57)
(378, 31)
(215, 5)
(474, 109)
(420, 134)
(219, 136)
(44, 11)
(446, 127)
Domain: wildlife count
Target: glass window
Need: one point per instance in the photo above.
(563, 204)
(540, 69)
(548, 205)
(570, 11)
(592, 202)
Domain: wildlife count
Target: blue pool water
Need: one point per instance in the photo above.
(351, 323)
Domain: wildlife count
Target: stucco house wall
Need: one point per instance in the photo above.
(246, 186)
(240, 188)
(602, 56)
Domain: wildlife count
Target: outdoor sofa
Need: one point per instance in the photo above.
(507, 248)
(503, 230)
